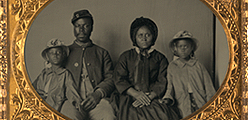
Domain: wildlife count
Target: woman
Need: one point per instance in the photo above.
(140, 76)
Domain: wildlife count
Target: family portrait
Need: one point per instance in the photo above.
(126, 60)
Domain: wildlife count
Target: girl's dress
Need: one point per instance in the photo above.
(143, 73)
(189, 79)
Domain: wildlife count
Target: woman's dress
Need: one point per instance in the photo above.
(147, 74)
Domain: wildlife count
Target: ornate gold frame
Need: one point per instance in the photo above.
(23, 103)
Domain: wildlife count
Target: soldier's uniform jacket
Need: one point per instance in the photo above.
(98, 64)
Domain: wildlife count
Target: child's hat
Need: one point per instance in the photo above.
(55, 42)
(183, 35)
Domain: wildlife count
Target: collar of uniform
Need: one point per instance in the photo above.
(84, 45)
(57, 71)
(138, 50)
(181, 64)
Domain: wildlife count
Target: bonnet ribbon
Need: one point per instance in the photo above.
(142, 68)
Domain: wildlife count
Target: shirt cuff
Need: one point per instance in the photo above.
(103, 94)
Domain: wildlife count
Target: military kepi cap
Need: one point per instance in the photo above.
(81, 14)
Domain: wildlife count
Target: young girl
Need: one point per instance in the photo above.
(140, 76)
(187, 77)
(55, 84)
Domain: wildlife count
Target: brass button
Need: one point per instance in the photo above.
(76, 64)
(88, 64)
(83, 48)
(92, 80)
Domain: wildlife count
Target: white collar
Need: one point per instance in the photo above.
(138, 50)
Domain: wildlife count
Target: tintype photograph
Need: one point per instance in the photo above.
(126, 59)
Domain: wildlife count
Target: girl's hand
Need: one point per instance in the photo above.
(166, 101)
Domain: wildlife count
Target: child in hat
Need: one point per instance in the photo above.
(188, 80)
(55, 84)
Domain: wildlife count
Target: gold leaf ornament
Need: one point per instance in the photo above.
(225, 105)
(17, 9)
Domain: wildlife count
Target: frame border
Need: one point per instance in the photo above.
(244, 23)
(3, 60)
(24, 103)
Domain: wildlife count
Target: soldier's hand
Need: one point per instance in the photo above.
(91, 101)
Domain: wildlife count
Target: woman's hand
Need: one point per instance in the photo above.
(140, 96)
(152, 95)
(136, 103)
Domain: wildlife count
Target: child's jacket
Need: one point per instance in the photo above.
(194, 73)
(61, 87)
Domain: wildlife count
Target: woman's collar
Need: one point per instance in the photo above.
(138, 50)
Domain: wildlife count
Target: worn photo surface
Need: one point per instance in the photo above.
(111, 30)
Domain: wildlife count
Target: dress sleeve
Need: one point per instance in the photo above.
(38, 86)
(169, 94)
(209, 88)
(159, 86)
(121, 75)
(40, 78)
(107, 85)
(35, 83)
